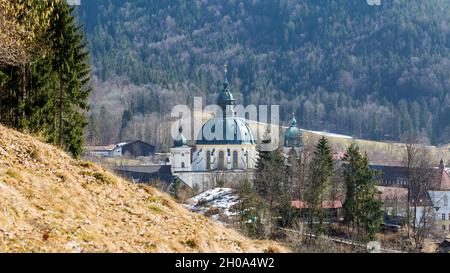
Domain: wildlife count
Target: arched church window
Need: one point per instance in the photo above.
(247, 160)
(208, 160)
(445, 201)
(221, 160)
(183, 165)
(235, 160)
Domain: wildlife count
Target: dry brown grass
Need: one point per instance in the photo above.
(50, 202)
(377, 150)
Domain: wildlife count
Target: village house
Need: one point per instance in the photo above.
(433, 203)
(147, 174)
(333, 209)
(130, 149)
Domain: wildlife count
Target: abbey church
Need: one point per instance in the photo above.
(225, 152)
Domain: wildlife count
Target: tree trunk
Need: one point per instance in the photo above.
(60, 106)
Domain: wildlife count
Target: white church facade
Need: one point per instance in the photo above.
(225, 152)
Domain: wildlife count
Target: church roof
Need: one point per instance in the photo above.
(223, 131)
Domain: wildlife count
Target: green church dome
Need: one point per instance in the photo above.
(293, 135)
(226, 131)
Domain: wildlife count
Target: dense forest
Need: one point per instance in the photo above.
(344, 66)
(44, 72)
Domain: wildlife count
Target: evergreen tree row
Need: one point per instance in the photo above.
(49, 96)
(314, 179)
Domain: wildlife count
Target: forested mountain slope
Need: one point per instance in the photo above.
(341, 65)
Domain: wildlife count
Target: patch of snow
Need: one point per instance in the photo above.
(328, 134)
(220, 199)
(211, 195)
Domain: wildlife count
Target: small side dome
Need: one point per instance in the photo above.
(293, 135)
(180, 140)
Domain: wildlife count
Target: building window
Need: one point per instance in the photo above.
(445, 201)
(183, 165)
(221, 160)
(235, 160)
(182, 154)
(444, 227)
(443, 216)
(208, 160)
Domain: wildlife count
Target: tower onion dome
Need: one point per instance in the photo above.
(293, 135)
(225, 98)
(180, 140)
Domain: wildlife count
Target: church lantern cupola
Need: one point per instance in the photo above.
(180, 140)
(226, 100)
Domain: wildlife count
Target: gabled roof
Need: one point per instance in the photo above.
(391, 174)
(445, 184)
(133, 142)
(100, 148)
(298, 204)
(441, 180)
(145, 169)
(438, 197)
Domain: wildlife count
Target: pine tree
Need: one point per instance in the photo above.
(127, 116)
(250, 209)
(270, 176)
(263, 162)
(371, 213)
(362, 208)
(321, 171)
(70, 60)
(352, 165)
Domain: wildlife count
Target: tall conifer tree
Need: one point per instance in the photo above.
(321, 171)
(70, 60)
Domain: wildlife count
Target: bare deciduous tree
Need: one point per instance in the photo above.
(21, 26)
(418, 162)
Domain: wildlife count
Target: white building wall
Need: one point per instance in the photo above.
(441, 204)
(207, 180)
(246, 157)
(181, 159)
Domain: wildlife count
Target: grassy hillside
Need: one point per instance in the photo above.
(50, 202)
(379, 151)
